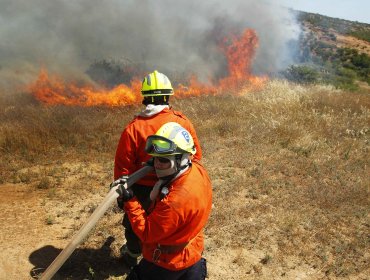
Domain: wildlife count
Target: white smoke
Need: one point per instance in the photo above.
(65, 36)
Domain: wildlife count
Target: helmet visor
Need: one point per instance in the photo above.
(156, 144)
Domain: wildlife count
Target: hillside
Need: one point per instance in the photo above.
(360, 31)
(332, 51)
(289, 167)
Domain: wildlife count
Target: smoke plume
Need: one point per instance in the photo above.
(65, 37)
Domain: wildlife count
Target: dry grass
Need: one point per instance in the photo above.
(289, 165)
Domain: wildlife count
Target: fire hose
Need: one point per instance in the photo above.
(90, 223)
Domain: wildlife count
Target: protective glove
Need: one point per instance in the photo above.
(125, 194)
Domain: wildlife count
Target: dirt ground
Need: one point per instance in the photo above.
(31, 240)
(32, 235)
(36, 224)
(23, 230)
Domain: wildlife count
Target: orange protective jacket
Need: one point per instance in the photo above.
(179, 218)
(130, 153)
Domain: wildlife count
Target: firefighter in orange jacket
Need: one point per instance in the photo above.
(171, 231)
(130, 153)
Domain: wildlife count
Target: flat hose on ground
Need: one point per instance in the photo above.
(90, 223)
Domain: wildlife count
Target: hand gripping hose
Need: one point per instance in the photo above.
(90, 223)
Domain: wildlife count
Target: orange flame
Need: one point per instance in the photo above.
(52, 90)
(239, 52)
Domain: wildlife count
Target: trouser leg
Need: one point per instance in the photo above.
(132, 241)
(196, 272)
(146, 270)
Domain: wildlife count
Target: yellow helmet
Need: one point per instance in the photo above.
(156, 84)
(170, 139)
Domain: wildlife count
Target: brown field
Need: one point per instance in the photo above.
(290, 172)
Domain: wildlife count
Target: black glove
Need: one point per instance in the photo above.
(124, 194)
(120, 181)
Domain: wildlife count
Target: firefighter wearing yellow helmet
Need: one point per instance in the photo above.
(170, 139)
(171, 231)
(130, 154)
(174, 143)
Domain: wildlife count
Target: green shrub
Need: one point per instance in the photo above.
(302, 74)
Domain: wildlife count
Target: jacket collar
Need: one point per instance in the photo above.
(151, 110)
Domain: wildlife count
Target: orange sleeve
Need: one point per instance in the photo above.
(198, 154)
(155, 227)
(176, 219)
(125, 155)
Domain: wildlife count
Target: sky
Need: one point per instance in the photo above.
(354, 10)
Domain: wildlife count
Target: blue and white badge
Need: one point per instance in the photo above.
(186, 135)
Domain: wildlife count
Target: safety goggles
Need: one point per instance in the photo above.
(156, 144)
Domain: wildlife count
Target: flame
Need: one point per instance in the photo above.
(238, 50)
(52, 90)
